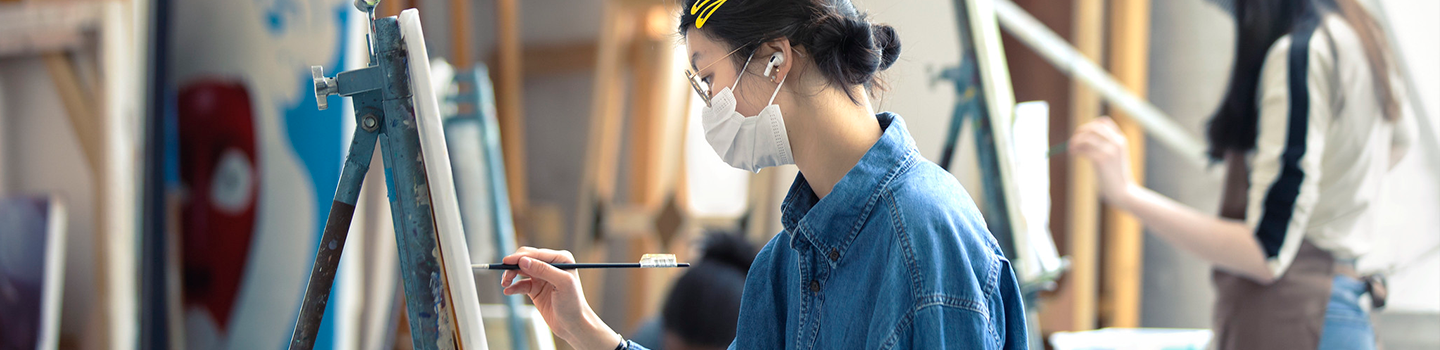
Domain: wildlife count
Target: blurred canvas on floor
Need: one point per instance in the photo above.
(31, 271)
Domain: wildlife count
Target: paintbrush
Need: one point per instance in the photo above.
(646, 261)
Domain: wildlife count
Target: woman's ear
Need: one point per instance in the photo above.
(783, 64)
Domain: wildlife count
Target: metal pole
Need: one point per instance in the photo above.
(431, 313)
(494, 162)
(382, 97)
(332, 240)
(1064, 57)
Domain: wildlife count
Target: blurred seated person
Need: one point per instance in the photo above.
(703, 307)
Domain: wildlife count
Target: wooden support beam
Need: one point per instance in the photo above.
(511, 109)
(85, 121)
(655, 121)
(643, 133)
(461, 45)
(1079, 286)
(391, 7)
(555, 59)
(77, 99)
(1129, 28)
(1035, 79)
(634, 45)
(644, 167)
(602, 154)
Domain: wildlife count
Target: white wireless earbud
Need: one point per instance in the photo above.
(776, 60)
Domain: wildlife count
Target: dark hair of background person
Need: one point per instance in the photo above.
(703, 307)
(1258, 24)
(846, 47)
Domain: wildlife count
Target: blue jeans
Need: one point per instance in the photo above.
(1347, 326)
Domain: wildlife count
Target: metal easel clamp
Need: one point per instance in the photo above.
(324, 87)
(347, 83)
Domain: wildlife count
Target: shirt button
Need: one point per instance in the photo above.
(814, 286)
(834, 254)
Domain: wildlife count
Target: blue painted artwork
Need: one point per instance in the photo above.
(250, 162)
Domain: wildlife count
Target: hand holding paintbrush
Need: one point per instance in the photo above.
(554, 287)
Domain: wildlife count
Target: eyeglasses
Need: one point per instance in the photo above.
(701, 87)
(695, 83)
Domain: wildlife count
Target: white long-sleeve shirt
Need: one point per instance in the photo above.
(1320, 159)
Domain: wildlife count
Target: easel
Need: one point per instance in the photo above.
(475, 106)
(440, 302)
(647, 216)
(1086, 299)
(985, 98)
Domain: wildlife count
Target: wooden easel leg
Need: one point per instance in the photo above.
(1124, 239)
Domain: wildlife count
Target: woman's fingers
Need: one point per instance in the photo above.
(1112, 132)
(521, 287)
(538, 270)
(1103, 126)
(536, 254)
(552, 256)
(1108, 121)
(1098, 139)
(1084, 144)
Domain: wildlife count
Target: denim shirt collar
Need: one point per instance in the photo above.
(831, 223)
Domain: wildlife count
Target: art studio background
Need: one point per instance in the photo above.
(165, 174)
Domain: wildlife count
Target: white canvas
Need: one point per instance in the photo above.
(450, 235)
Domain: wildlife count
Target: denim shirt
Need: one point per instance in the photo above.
(896, 257)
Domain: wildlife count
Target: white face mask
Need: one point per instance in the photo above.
(746, 143)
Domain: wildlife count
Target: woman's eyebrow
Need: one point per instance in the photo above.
(694, 57)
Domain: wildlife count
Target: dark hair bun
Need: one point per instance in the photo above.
(728, 249)
(703, 307)
(888, 43)
(852, 49)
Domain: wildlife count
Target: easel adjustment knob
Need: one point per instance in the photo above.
(324, 87)
(366, 5)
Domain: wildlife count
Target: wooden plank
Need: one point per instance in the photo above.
(653, 120)
(4, 143)
(390, 8)
(657, 117)
(597, 184)
(82, 116)
(643, 133)
(1124, 239)
(603, 150)
(1035, 79)
(461, 45)
(510, 109)
(634, 44)
(86, 123)
(116, 89)
(555, 59)
(1084, 195)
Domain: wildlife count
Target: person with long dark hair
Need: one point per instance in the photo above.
(881, 248)
(1308, 129)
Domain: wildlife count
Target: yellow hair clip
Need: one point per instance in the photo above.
(705, 8)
